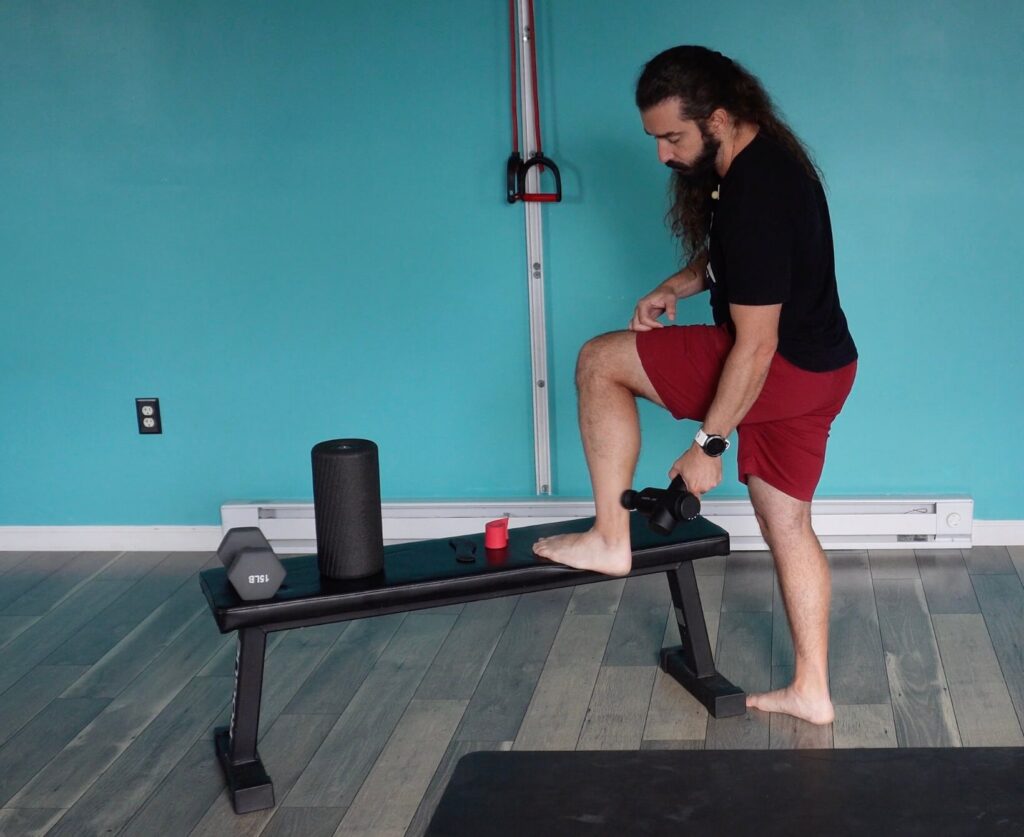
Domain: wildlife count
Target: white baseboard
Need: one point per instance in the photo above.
(206, 538)
(841, 523)
(998, 532)
(109, 538)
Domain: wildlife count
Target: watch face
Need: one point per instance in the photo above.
(714, 446)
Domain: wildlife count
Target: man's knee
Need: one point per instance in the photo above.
(782, 525)
(612, 358)
(600, 357)
(779, 516)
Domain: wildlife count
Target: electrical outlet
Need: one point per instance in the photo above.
(147, 411)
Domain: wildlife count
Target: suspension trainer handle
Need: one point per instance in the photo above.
(539, 159)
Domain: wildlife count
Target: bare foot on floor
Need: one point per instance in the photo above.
(588, 551)
(813, 708)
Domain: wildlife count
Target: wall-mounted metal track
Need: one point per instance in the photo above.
(535, 268)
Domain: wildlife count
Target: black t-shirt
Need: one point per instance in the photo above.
(770, 243)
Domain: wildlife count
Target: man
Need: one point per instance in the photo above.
(776, 367)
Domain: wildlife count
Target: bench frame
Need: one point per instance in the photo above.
(691, 663)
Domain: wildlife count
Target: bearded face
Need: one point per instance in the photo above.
(704, 163)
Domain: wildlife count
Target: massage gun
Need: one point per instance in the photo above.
(664, 507)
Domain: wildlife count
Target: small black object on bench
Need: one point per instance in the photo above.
(427, 574)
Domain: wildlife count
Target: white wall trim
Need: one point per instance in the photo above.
(939, 522)
(206, 538)
(999, 532)
(104, 538)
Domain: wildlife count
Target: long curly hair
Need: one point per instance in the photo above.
(704, 80)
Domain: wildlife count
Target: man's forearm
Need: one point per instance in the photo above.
(691, 279)
(742, 379)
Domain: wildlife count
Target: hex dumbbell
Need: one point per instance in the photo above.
(253, 569)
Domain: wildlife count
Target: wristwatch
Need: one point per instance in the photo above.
(711, 444)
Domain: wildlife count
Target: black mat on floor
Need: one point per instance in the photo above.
(868, 793)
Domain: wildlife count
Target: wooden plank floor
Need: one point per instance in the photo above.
(113, 676)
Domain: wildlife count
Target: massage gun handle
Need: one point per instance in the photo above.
(645, 501)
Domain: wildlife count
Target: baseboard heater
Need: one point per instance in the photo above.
(841, 523)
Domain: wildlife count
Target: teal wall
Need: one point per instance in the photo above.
(286, 221)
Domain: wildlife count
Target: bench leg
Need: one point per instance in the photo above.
(692, 663)
(248, 783)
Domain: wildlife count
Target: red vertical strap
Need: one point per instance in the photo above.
(533, 63)
(513, 50)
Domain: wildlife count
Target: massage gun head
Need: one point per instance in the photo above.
(662, 520)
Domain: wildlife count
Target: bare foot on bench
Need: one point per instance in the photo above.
(817, 709)
(588, 551)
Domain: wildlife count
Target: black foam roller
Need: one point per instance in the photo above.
(346, 503)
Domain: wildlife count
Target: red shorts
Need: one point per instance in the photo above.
(782, 438)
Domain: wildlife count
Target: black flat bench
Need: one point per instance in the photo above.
(426, 574)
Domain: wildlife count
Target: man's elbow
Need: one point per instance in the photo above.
(760, 351)
(766, 349)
